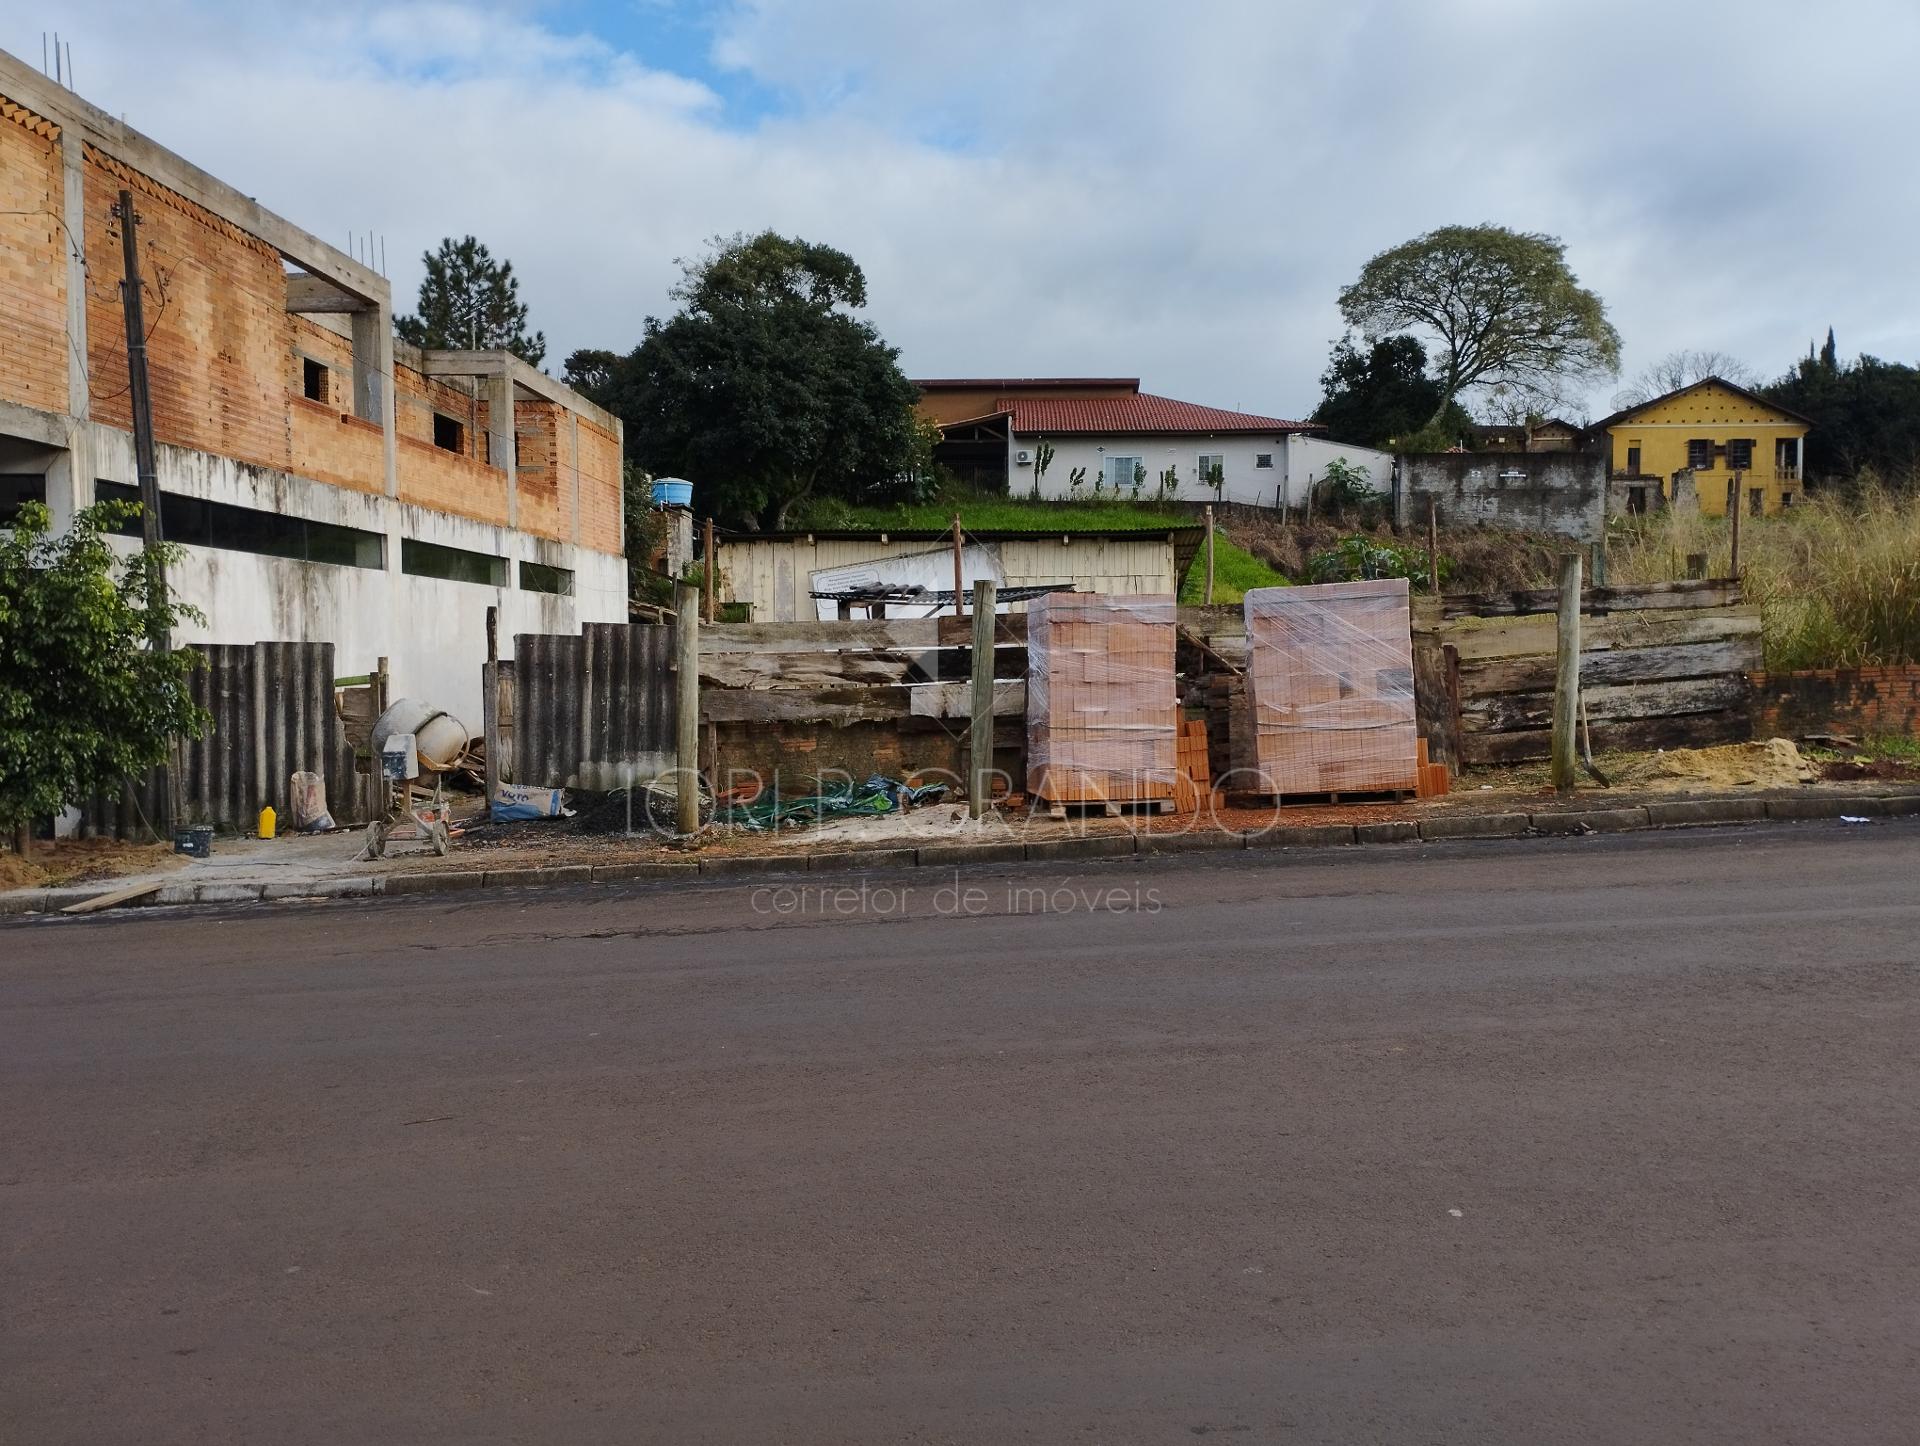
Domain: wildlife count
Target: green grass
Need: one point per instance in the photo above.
(995, 514)
(1234, 572)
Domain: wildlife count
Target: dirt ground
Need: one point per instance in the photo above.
(78, 861)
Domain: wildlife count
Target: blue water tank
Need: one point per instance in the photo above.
(672, 492)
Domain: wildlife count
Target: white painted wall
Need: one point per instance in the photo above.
(433, 632)
(1297, 459)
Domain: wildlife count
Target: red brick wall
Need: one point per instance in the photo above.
(216, 314)
(430, 476)
(33, 262)
(1861, 702)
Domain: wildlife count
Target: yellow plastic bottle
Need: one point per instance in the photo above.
(267, 819)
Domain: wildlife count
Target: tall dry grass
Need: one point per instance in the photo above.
(1837, 578)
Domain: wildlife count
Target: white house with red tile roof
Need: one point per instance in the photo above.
(1121, 440)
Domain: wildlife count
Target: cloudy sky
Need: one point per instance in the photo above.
(1170, 190)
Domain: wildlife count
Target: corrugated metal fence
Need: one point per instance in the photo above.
(594, 711)
(273, 716)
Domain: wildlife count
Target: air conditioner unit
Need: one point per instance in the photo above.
(1022, 459)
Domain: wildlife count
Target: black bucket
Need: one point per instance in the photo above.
(195, 841)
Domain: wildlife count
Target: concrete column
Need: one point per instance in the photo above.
(70, 481)
(499, 396)
(373, 380)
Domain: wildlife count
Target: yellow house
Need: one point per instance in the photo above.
(1724, 434)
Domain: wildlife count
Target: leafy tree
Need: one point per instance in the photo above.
(1509, 314)
(1679, 369)
(470, 302)
(1383, 396)
(84, 699)
(763, 388)
(1865, 415)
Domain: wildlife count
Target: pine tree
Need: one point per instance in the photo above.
(470, 302)
(1830, 356)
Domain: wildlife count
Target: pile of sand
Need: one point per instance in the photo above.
(1773, 764)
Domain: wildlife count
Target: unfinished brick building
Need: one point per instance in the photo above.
(329, 482)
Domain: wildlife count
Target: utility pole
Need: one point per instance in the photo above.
(980, 733)
(146, 469)
(141, 401)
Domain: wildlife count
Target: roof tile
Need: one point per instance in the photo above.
(1142, 412)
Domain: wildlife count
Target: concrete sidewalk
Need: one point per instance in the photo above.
(329, 865)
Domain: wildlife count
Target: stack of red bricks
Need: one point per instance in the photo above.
(1194, 780)
(1101, 714)
(1330, 672)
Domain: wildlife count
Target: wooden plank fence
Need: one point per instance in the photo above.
(1662, 665)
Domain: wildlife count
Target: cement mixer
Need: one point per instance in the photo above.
(410, 739)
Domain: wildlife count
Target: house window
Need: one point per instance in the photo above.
(1125, 473)
(1740, 454)
(251, 529)
(538, 577)
(1636, 501)
(1213, 468)
(313, 379)
(1633, 460)
(1263, 459)
(1700, 455)
(1756, 501)
(451, 564)
(1786, 499)
(448, 434)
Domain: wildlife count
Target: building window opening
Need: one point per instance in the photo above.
(313, 379)
(1740, 454)
(223, 525)
(1700, 455)
(1756, 501)
(1786, 499)
(1636, 501)
(538, 577)
(449, 435)
(452, 564)
(16, 491)
(1263, 459)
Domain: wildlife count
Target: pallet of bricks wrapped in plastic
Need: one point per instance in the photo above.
(1330, 677)
(1101, 705)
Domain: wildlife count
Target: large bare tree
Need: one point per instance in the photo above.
(1679, 369)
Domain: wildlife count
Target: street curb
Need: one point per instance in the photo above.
(1684, 811)
(1476, 825)
(1677, 813)
(835, 860)
(1597, 820)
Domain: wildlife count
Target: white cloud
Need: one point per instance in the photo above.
(1106, 186)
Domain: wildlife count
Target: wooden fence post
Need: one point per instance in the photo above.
(980, 731)
(1734, 504)
(1209, 597)
(959, 596)
(686, 733)
(1566, 680)
(490, 704)
(1433, 548)
(706, 574)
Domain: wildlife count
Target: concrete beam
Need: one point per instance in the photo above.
(24, 83)
(47, 429)
(531, 380)
(308, 294)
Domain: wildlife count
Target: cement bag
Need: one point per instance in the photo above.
(307, 800)
(513, 802)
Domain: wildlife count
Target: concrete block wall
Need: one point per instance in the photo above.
(1561, 492)
(33, 262)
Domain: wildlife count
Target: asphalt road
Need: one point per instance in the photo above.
(1588, 1140)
